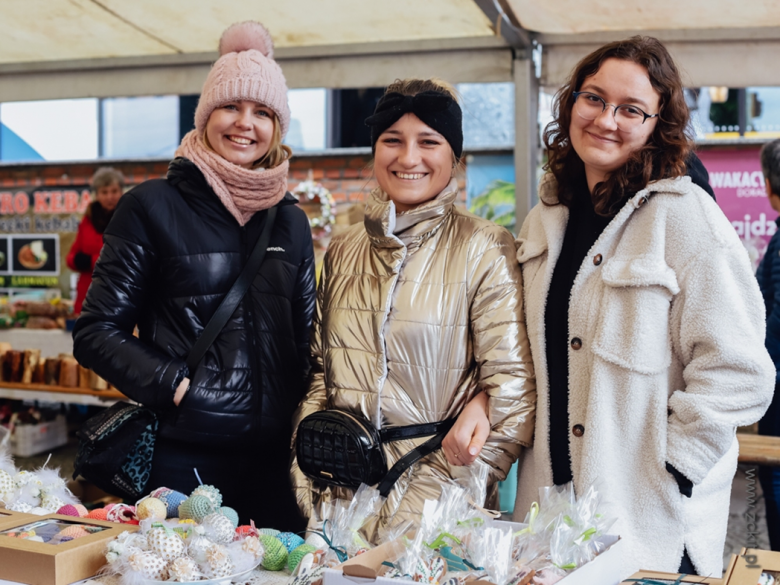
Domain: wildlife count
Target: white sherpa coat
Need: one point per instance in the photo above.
(672, 361)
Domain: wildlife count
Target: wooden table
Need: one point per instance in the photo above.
(759, 449)
(60, 394)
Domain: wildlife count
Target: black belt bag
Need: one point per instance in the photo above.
(342, 449)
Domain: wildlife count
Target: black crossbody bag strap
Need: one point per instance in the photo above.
(228, 305)
(414, 455)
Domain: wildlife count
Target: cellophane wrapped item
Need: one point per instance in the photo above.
(346, 520)
(440, 546)
(563, 532)
(575, 536)
(491, 550)
(338, 535)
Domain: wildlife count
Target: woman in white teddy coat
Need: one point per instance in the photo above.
(645, 321)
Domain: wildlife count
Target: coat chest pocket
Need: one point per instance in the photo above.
(531, 256)
(633, 324)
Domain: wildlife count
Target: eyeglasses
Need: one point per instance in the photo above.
(590, 106)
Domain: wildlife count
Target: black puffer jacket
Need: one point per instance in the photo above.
(169, 258)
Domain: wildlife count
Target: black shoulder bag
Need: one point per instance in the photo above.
(116, 446)
(343, 449)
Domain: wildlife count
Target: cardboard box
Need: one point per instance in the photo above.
(28, 440)
(672, 578)
(605, 569)
(42, 563)
(9, 518)
(747, 566)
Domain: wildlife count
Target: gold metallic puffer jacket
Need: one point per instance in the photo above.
(417, 313)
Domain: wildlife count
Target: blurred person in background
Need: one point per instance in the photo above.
(174, 249)
(107, 184)
(769, 281)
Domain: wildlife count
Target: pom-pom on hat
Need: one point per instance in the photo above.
(245, 70)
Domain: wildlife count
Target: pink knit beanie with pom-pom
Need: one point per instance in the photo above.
(245, 70)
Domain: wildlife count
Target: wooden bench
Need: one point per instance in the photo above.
(759, 449)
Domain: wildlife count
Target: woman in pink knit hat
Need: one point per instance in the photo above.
(174, 249)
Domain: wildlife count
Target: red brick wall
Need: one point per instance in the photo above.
(348, 178)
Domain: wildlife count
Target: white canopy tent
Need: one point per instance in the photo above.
(103, 48)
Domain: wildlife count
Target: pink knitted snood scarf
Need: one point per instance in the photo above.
(242, 191)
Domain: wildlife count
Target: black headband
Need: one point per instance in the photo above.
(436, 109)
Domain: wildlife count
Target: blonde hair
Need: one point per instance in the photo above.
(277, 152)
(412, 86)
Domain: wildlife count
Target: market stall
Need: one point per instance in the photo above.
(461, 41)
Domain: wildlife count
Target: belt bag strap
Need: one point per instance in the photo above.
(411, 432)
(228, 305)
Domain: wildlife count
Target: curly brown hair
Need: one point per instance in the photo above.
(666, 150)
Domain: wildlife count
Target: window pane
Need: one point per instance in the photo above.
(140, 127)
(56, 129)
(488, 114)
(307, 120)
(763, 109)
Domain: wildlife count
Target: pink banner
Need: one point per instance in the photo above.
(736, 178)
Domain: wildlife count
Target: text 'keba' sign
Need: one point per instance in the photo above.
(45, 201)
(30, 255)
(736, 178)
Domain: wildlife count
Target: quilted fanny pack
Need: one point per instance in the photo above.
(342, 449)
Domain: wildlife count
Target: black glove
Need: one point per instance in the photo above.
(83, 262)
(685, 484)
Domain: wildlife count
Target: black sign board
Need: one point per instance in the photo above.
(35, 254)
(5, 257)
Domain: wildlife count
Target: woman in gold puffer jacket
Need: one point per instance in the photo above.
(420, 310)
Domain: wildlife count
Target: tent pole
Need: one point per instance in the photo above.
(526, 133)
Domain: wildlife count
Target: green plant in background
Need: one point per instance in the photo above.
(496, 203)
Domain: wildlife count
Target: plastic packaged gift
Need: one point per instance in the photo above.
(563, 532)
(342, 522)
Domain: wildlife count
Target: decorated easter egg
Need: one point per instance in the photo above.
(148, 564)
(210, 492)
(275, 553)
(253, 546)
(171, 498)
(53, 503)
(290, 540)
(68, 510)
(218, 528)
(7, 485)
(22, 507)
(183, 569)
(121, 513)
(218, 562)
(196, 507)
(165, 542)
(98, 514)
(231, 514)
(297, 554)
(151, 508)
(198, 546)
(245, 530)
